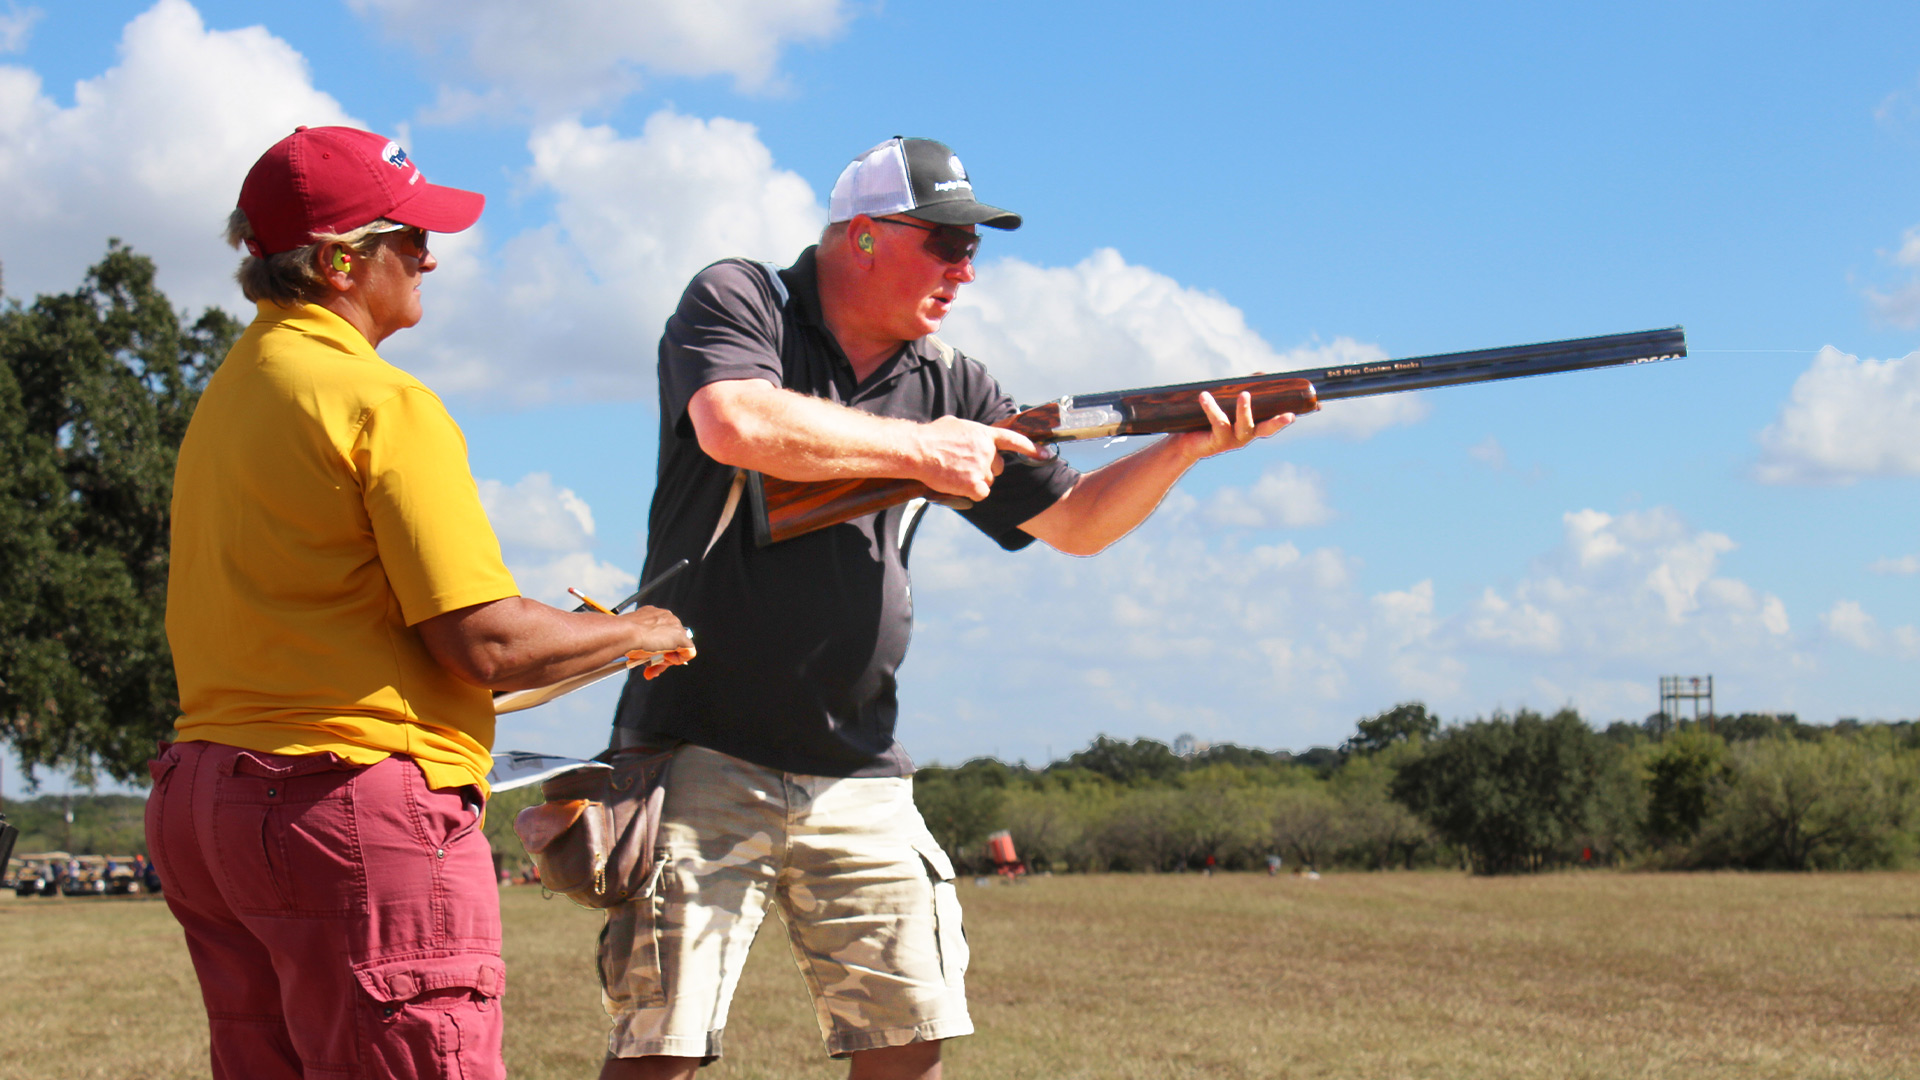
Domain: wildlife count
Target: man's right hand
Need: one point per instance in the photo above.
(752, 424)
(961, 457)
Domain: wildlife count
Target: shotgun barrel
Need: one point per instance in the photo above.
(782, 509)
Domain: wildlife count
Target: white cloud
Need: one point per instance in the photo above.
(1405, 617)
(1285, 496)
(1905, 564)
(1517, 624)
(565, 55)
(1899, 306)
(151, 151)
(1684, 572)
(16, 26)
(547, 581)
(1105, 324)
(1847, 621)
(1490, 453)
(1847, 419)
(1632, 584)
(534, 514)
(576, 307)
(1276, 641)
(1588, 536)
(1906, 641)
(1909, 253)
(546, 533)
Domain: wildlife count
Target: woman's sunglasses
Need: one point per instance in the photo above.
(948, 243)
(415, 236)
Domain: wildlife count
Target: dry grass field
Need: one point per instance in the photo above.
(1357, 975)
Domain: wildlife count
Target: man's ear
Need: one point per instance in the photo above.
(859, 239)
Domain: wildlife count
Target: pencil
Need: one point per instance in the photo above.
(588, 600)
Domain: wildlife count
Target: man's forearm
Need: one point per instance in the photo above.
(1110, 501)
(1113, 500)
(755, 425)
(768, 429)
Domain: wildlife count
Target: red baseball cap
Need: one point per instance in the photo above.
(336, 179)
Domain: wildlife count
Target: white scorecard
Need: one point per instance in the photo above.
(518, 768)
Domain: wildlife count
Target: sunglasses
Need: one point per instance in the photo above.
(948, 243)
(416, 236)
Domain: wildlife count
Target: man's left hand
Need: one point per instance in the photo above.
(1228, 434)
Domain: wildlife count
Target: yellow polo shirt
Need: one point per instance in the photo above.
(322, 507)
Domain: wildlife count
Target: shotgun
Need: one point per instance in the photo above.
(783, 509)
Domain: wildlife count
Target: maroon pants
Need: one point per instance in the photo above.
(343, 919)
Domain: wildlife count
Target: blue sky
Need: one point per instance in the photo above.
(1208, 190)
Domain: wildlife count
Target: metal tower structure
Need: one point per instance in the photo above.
(1675, 689)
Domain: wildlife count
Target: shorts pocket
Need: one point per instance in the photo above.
(629, 954)
(432, 1016)
(948, 931)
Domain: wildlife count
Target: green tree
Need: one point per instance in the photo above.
(1141, 829)
(1839, 803)
(96, 388)
(1223, 815)
(1129, 763)
(1749, 726)
(1242, 756)
(1683, 775)
(1378, 831)
(1408, 722)
(1516, 794)
(1047, 824)
(961, 806)
(1308, 821)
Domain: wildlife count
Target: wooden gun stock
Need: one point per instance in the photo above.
(783, 509)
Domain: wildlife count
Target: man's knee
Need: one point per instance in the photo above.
(914, 1061)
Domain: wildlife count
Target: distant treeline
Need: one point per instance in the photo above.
(1507, 794)
(102, 824)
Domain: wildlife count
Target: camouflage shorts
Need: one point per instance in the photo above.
(866, 895)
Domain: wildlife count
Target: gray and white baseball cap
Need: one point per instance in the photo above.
(920, 178)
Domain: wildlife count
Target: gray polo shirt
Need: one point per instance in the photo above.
(800, 641)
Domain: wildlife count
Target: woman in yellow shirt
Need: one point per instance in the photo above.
(338, 612)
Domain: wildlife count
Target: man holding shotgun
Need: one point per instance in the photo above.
(789, 785)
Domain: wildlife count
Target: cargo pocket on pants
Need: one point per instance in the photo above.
(629, 954)
(948, 932)
(432, 1017)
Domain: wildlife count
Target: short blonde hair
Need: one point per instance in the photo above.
(293, 277)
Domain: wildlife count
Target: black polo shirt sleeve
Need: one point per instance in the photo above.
(726, 327)
(1027, 486)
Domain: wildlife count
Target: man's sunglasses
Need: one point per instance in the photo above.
(948, 243)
